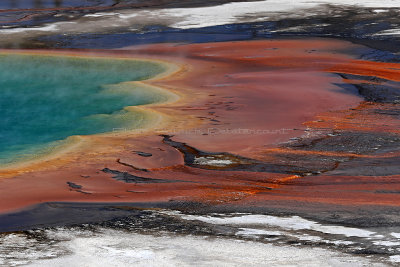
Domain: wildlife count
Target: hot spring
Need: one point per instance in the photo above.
(45, 99)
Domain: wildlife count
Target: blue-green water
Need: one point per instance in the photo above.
(44, 99)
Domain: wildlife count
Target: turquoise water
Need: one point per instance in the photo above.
(45, 99)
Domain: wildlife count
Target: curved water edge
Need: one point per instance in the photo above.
(125, 104)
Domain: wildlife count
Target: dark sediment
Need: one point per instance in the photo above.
(130, 178)
(73, 185)
(375, 89)
(350, 142)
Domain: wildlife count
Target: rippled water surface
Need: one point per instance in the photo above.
(44, 99)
